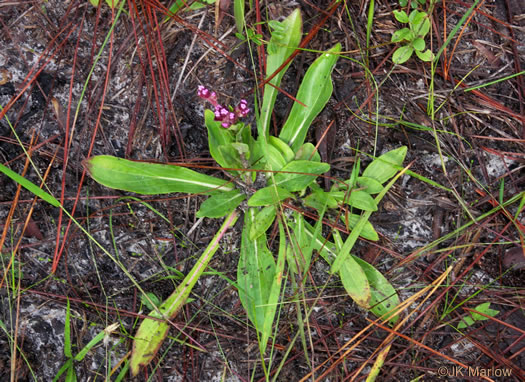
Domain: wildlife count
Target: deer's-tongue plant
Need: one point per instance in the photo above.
(288, 168)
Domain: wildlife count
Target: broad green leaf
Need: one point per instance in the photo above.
(473, 317)
(387, 165)
(275, 291)
(230, 156)
(242, 149)
(274, 159)
(280, 47)
(384, 297)
(310, 238)
(263, 220)
(319, 198)
(352, 238)
(402, 34)
(150, 178)
(150, 296)
(218, 136)
(308, 152)
(325, 247)
(244, 135)
(255, 273)
(419, 44)
(296, 175)
(425, 28)
(370, 185)
(416, 17)
(152, 332)
(419, 23)
(401, 16)
(361, 200)
(257, 155)
(220, 204)
(283, 148)
(238, 14)
(367, 232)
(268, 195)
(355, 282)
(314, 92)
(425, 56)
(402, 54)
(298, 254)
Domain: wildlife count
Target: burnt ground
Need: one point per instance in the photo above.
(137, 99)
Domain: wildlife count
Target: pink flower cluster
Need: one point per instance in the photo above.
(226, 116)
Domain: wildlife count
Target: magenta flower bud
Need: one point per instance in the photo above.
(203, 92)
(242, 109)
(226, 115)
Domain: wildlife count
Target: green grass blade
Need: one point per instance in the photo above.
(455, 30)
(495, 81)
(90, 345)
(67, 332)
(31, 187)
(65, 367)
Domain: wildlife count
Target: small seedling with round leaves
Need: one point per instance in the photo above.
(413, 37)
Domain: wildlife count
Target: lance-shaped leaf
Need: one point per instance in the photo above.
(353, 277)
(352, 238)
(314, 92)
(370, 185)
(220, 204)
(319, 198)
(256, 273)
(380, 295)
(275, 289)
(268, 195)
(263, 220)
(218, 136)
(308, 152)
(298, 174)
(152, 332)
(367, 232)
(283, 148)
(299, 253)
(385, 166)
(150, 178)
(383, 295)
(357, 199)
(274, 158)
(285, 39)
